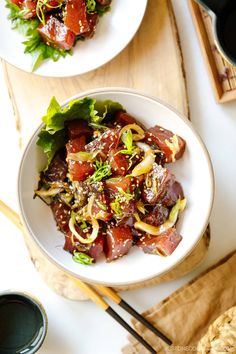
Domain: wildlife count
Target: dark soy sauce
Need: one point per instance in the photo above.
(21, 324)
(227, 30)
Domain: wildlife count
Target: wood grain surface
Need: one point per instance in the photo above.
(151, 63)
(221, 73)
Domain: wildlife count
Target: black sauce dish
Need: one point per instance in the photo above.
(23, 323)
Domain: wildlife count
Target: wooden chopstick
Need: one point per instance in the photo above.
(96, 298)
(111, 294)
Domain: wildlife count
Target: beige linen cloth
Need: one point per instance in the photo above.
(186, 315)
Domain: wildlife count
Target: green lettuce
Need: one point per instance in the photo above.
(52, 136)
(34, 45)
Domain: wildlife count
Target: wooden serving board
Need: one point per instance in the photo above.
(222, 74)
(151, 63)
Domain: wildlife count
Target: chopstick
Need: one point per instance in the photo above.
(110, 293)
(96, 298)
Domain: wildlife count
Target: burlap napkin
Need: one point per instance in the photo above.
(186, 315)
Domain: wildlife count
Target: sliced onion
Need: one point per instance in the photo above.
(48, 192)
(82, 156)
(157, 230)
(140, 132)
(90, 204)
(140, 207)
(145, 147)
(92, 237)
(146, 165)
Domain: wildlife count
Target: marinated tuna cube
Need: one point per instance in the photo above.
(77, 128)
(101, 207)
(172, 145)
(104, 143)
(122, 118)
(30, 7)
(57, 169)
(119, 240)
(125, 183)
(173, 193)
(104, 2)
(61, 213)
(75, 145)
(96, 248)
(157, 216)
(164, 245)
(56, 34)
(92, 22)
(72, 244)
(160, 186)
(119, 162)
(75, 17)
(79, 170)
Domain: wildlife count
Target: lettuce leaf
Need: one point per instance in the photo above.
(52, 136)
(34, 45)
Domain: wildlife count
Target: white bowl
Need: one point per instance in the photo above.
(193, 171)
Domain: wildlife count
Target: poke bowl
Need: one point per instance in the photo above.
(115, 187)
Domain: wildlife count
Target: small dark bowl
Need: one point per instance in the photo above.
(23, 323)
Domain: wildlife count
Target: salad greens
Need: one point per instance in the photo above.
(52, 136)
(34, 45)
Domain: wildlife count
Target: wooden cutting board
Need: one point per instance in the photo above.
(151, 63)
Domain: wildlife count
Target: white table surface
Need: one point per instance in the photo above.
(81, 327)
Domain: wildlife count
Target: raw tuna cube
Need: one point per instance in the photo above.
(123, 118)
(57, 169)
(101, 207)
(106, 142)
(104, 2)
(119, 240)
(161, 186)
(77, 128)
(119, 162)
(125, 183)
(92, 22)
(96, 248)
(61, 213)
(76, 17)
(56, 34)
(79, 170)
(172, 145)
(157, 216)
(30, 6)
(164, 245)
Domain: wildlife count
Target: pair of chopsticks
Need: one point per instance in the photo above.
(97, 298)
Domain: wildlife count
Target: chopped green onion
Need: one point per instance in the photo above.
(82, 258)
(127, 196)
(102, 170)
(116, 208)
(90, 5)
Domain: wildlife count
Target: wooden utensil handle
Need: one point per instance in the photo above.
(11, 215)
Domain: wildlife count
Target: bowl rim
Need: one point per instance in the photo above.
(134, 92)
